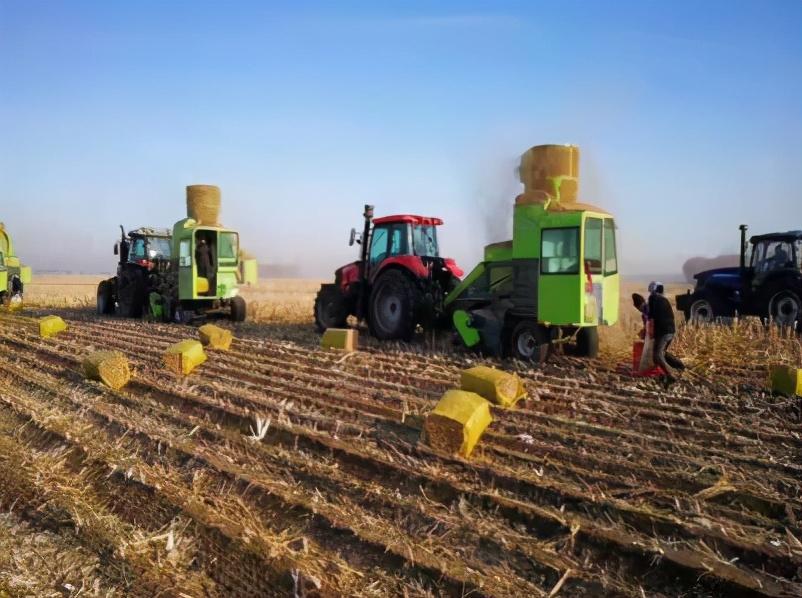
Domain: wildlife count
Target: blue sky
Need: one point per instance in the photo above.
(689, 116)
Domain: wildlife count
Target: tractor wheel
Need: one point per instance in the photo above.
(587, 342)
(529, 342)
(701, 312)
(330, 308)
(105, 298)
(785, 309)
(239, 310)
(131, 294)
(391, 314)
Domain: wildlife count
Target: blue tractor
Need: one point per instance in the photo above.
(767, 283)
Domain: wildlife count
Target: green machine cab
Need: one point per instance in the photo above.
(557, 279)
(13, 275)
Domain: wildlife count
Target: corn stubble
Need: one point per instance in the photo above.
(279, 468)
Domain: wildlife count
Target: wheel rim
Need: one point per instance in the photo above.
(388, 310)
(702, 311)
(786, 310)
(526, 344)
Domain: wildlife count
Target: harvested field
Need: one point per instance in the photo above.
(277, 468)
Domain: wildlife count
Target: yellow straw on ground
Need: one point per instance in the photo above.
(109, 367)
(184, 357)
(51, 325)
(457, 422)
(214, 337)
(499, 387)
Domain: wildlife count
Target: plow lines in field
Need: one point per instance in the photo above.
(279, 469)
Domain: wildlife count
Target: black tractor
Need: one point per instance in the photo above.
(143, 254)
(767, 283)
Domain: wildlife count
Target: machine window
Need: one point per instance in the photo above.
(228, 246)
(184, 253)
(398, 239)
(378, 245)
(772, 255)
(559, 251)
(137, 251)
(593, 245)
(424, 240)
(159, 247)
(610, 257)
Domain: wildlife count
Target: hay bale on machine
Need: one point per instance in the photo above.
(184, 357)
(214, 337)
(203, 204)
(498, 387)
(51, 326)
(109, 367)
(457, 422)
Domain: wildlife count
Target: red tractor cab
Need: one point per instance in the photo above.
(399, 281)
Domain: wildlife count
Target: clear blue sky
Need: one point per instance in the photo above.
(689, 115)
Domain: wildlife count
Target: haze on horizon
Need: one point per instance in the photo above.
(688, 115)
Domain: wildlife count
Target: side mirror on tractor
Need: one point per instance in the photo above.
(354, 238)
(116, 249)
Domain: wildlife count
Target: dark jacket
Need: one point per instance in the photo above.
(203, 256)
(661, 312)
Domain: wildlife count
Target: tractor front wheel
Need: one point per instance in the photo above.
(785, 309)
(239, 309)
(391, 313)
(330, 308)
(529, 342)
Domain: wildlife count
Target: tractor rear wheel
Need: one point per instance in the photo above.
(330, 308)
(701, 312)
(239, 309)
(105, 298)
(587, 342)
(529, 342)
(391, 313)
(785, 309)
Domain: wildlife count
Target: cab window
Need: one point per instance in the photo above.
(772, 255)
(610, 256)
(424, 240)
(378, 245)
(593, 245)
(137, 251)
(398, 240)
(559, 252)
(228, 246)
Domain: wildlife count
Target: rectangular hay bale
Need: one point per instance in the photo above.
(786, 379)
(458, 421)
(109, 367)
(51, 325)
(346, 339)
(214, 337)
(184, 357)
(497, 386)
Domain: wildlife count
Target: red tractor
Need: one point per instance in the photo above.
(399, 281)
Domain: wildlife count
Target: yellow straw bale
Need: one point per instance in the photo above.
(203, 204)
(214, 337)
(184, 357)
(786, 380)
(346, 339)
(499, 387)
(109, 367)
(51, 325)
(457, 422)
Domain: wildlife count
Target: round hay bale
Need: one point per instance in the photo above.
(203, 204)
(543, 166)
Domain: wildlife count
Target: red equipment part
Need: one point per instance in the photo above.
(409, 218)
(637, 352)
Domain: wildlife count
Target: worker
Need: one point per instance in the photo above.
(780, 258)
(640, 304)
(203, 258)
(661, 324)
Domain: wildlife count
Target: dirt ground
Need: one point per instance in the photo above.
(280, 469)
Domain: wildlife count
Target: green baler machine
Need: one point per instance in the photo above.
(557, 279)
(13, 275)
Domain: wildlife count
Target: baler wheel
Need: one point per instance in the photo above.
(391, 313)
(529, 342)
(330, 308)
(239, 309)
(587, 342)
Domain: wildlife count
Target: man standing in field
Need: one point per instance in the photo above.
(661, 322)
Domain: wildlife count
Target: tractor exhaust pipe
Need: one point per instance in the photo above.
(361, 300)
(743, 229)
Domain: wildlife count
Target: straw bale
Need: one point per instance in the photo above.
(457, 422)
(109, 367)
(214, 337)
(786, 380)
(346, 339)
(499, 387)
(203, 204)
(184, 357)
(51, 325)
(544, 165)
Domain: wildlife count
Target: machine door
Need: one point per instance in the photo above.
(387, 241)
(611, 290)
(186, 270)
(560, 288)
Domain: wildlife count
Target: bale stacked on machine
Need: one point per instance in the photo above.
(551, 171)
(109, 367)
(203, 204)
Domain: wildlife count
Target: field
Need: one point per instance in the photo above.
(282, 469)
